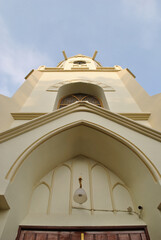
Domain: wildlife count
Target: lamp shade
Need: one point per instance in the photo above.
(80, 196)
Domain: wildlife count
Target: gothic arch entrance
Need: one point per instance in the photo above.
(77, 139)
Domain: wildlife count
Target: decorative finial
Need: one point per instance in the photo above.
(94, 55)
(65, 56)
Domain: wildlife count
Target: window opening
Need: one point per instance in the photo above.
(79, 62)
(79, 97)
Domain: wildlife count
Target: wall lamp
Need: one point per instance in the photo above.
(80, 195)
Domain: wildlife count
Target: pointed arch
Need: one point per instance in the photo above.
(40, 198)
(100, 139)
(124, 195)
(129, 145)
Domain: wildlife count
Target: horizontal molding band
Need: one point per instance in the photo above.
(31, 115)
(79, 70)
(26, 115)
(136, 116)
(80, 107)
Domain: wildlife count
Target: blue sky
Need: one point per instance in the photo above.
(125, 33)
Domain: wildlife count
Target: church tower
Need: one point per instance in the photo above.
(80, 155)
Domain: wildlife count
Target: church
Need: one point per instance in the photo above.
(80, 155)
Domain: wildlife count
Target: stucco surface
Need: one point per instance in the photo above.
(118, 158)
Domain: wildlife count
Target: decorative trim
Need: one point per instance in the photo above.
(146, 161)
(29, 73)
(106, 68)
(31, 115)
(130, 72)
(38, 184)
(79, 70)
(71, 190)
(110, 189)
(91, 187)
(123, 185)
(74, 95)
(51, 192)
(26, 115)
(55, 87)
(136, 116)
(79, 56)
(80, 107)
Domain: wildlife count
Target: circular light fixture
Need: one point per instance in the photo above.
(80, 195)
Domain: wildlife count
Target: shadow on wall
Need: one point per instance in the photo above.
(81, 87)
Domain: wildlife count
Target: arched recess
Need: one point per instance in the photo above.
(95, 130)
(101, 188)
(98, 182)
(85, 138)
(81, 87)
(59, 202)
(40, 198)
(124, 199)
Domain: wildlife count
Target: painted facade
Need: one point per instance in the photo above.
(108, 134)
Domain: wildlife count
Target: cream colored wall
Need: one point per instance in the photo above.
(87, 141)
(43, 101)
(14, 104)
(7, 105)
(18, 143)
(139, 169)
(116, 97)
(146, 102)
(107, 195)
(119, 100)
(20, 192)
(3, 218)
(69, 63)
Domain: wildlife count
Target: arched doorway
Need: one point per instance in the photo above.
(103, 146)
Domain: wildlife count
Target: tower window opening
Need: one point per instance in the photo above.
(79, 97)
(79, 62)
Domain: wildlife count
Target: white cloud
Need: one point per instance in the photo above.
(146, 15)
(15, 60)
(146, 10)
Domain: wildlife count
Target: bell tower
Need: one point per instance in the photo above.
(80, 155)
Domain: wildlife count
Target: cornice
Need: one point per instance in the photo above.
(106, 68)
(80, 107)
(31, 115)
(80, 68)
(26, 115)
(99, 69)
(136, 116)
